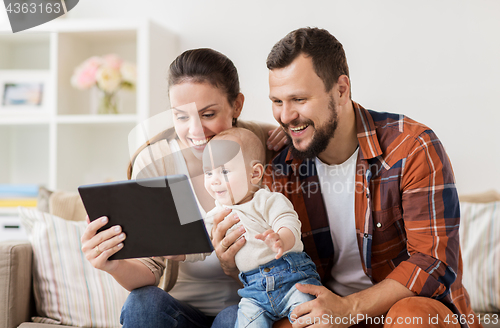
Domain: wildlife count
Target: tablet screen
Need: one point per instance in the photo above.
(160, 216)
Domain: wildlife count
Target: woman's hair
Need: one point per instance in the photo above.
(206, 65)
(199, 66)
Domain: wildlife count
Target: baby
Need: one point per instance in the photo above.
(272, 260)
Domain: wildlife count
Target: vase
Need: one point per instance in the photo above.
(107, 103)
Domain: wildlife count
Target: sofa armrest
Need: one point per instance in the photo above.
(15, 282)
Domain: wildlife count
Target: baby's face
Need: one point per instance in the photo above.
(229, 182)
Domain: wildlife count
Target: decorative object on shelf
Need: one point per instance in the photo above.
(14, 195)
(23, 91)
(108, 74)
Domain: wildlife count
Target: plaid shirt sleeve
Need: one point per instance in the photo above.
(431, 219)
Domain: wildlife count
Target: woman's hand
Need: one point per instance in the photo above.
(226, 247)
(99, 247)
(277, 139)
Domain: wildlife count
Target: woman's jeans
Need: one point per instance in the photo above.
(269, 292)
(152, 307)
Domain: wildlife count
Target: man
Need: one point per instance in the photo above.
(375, 193)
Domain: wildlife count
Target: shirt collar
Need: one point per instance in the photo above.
(366, 133)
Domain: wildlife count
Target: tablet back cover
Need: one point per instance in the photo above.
(147, 212)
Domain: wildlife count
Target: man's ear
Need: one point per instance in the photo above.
(257, 173)
(343, 87)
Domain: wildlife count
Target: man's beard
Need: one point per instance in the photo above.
(321, 137)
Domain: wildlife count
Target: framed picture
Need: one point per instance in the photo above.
(23, 91)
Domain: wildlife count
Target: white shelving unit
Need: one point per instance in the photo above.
(67, 146)
(10, 225)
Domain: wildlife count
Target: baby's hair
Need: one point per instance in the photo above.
(251, 146)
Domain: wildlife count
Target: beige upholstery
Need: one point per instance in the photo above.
(16, 298)
(41, 325)
(67, 205)
(15, 283)
(485, 197)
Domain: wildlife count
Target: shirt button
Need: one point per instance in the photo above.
(379, 225)
(366, 235)
(267, 269)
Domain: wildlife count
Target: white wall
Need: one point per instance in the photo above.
(435, 61)
(3, 16)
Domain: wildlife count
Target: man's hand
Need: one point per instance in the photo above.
(323, 310)
(226, 247)
(277, 139)
(273, 241)
(371, 302)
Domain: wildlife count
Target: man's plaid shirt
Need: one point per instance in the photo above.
(406, 208)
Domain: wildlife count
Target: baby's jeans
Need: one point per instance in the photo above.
(269, 292)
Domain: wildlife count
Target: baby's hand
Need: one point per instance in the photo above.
(273, 241)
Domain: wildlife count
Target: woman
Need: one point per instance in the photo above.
(205, 100)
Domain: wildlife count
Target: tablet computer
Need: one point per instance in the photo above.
(160, 216)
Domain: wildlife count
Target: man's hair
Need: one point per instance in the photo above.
(327, 54)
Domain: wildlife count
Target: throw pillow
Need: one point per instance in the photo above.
(480, 243)
(42, 201)
(68, 290)
(67, 205)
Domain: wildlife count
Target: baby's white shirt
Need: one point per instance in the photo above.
(267, 210)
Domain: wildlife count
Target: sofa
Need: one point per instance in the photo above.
(20, 283)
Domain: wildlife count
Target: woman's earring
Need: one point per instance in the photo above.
(234, 121)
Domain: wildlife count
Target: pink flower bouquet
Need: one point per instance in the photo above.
(108, 73)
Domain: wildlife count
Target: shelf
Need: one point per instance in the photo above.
(76, 25)
(11, 227)
(76, 47)
(67, 144)
(25, 154)
(96, 119)
(8, 211)
(18, 51)
(24, 120)
(101, 153)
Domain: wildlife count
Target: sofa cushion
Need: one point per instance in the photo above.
(42, 201)
(67, 205)
(41, 325)
(15, 282)
(68, 290)
(480, 243)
